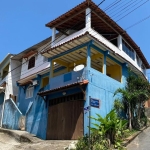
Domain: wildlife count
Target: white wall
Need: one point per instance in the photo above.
(39, 64)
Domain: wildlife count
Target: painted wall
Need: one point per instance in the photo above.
(11, 115)
(35, 109)
(1, 103)
(36, 117)
(101, 87)
(40, 64)
(65, 79)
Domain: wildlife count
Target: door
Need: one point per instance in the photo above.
(65, 119)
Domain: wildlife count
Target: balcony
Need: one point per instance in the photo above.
(67, 78)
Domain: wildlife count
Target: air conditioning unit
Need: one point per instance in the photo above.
(35, 82)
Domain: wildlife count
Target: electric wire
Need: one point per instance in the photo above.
(123, 7)
(111, 5)
(142, 20)
(50, 42)
(132, 11)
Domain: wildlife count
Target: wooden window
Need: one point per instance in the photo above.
(31, 63)
(29, 92)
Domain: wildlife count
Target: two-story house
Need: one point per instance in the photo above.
(9, 73)
(83, 63)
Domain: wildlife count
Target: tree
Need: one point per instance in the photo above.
(134, 95)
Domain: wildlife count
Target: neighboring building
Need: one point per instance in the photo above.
(9, 73)
(53, 93)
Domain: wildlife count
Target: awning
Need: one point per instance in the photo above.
(47, 92)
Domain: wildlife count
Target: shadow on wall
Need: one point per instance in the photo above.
(11, 115)
(36, 118)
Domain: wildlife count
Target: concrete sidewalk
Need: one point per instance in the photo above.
(31, 142)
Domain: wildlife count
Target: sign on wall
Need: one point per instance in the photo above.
(94, 103)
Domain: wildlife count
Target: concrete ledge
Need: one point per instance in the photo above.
(132, 137)
(21, 136)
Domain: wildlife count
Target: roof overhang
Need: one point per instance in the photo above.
(100, 20)
(47, 92)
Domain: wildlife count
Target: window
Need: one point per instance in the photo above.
(31, 63)
(128, 50)
(29, 92)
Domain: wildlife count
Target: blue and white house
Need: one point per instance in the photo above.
(9, 73)
(54, 90)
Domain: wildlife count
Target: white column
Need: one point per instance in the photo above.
(119, 40)
(135, 57)
(53, 36)
(88, 18)
(140, 64)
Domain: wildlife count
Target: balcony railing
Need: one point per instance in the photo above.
(3, 80)
(68, 78)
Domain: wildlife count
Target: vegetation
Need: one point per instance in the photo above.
(134, 95)
(109, 132)
(106, 134)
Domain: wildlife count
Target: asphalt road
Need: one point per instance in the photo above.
(141, 142)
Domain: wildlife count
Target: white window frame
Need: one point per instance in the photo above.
(29, 92)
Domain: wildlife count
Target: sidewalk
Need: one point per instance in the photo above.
(31, 142)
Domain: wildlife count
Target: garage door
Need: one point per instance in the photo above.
(65, 119)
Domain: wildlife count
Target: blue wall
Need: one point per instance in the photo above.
(101, 87)
(11, 115)
(1, 98)
(35, 109)
(36, 118)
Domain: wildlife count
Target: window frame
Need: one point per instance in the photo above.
(31, 63)
(29, 92)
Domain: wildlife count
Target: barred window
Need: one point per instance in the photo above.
(29, 92)
(31, 63)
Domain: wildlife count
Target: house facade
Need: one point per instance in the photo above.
(74, 74)
(9, 73)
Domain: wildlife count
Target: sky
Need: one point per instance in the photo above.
(22, 22)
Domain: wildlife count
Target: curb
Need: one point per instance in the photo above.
(21, 136)
(132, 137)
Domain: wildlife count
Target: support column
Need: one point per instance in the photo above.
(104, 62)
(88, 18)
(88, 62)
(119, 40)
(135, 57)
(51, 69)
(53, 36)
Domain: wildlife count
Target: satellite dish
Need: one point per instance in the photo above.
(78, 68)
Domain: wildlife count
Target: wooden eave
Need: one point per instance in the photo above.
(101, 22)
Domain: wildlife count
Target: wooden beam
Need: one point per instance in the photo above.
(61, 62)
(84, 59)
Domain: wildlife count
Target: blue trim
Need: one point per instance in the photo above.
(104, 52)
(97, 48)
(71, 50)
(59, 69)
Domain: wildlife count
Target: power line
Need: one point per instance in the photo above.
(111, 5)
(132, 11)
(142, 20)
(123, 8)
(52, 41)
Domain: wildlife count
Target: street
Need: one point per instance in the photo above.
(141, 142)
(9, 143)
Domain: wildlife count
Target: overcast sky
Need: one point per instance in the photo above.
(22, 22)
